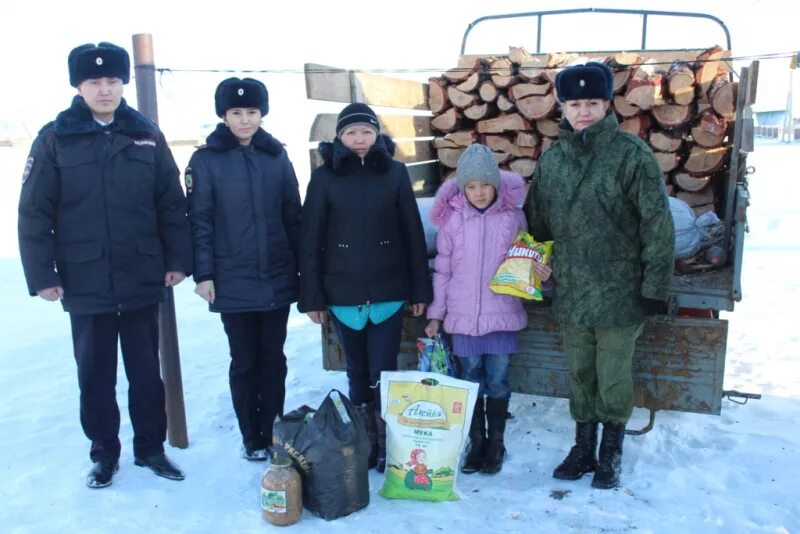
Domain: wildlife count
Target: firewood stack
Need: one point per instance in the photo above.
(684, 110)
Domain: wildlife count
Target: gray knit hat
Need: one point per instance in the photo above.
(477, 163)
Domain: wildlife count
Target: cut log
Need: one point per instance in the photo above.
(645, 93)
(706, 196)
(500, 143)
(447, 121)
(704, 161)
(501, 71)
(465, 68)
(462, 137)
(638, 125)
(547, 127)
(531, 70)
(621, 65)
(460, 99)
(501, 157)
(501, 66)
(536, 107)
(503, 103)
(625, 109)
(665, 141)
(691, 183)
(443, 142)
(681, 83)
(470, 84)
(521, 90)
(710, 130)
(523, 166)
(488, 91)
(438, 100)
(671, 116)
(670, 190)
(668, 161)
(706, 68)
(503, 123)
(518, 55)
(546, 142)
(480, 111)
(723, 97)
(527, 139)
(449, 156)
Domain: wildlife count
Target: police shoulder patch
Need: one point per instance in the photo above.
(28, 168)
(188, 180)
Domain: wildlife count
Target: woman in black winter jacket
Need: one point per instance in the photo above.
(363, 255)
(244, 208)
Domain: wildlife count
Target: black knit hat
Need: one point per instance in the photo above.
(357, 113)
(584, 82)
(104, 60)
(241, 93)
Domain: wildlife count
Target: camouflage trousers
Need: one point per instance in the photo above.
(601, 379)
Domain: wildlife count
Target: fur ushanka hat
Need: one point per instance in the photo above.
(241, 93)
(584, 82)
(104, 60)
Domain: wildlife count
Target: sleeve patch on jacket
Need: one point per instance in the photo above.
(188, 180)
(28, 168)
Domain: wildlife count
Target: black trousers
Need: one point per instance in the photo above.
(94, 339)
(257, 372)
(368, 352)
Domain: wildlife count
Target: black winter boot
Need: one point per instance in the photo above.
(495, 450)
(610, 464)
(477, 440)
(582, 458)
(380, 433)
(368, 412)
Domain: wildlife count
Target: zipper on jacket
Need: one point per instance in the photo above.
(478, 290)
(107, 140)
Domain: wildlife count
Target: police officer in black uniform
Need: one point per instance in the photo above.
(102, 227)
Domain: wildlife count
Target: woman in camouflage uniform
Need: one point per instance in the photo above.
(599, 194)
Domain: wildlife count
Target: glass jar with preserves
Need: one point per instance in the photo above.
(281, 493)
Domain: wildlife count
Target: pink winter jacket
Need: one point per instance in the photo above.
(470, 247)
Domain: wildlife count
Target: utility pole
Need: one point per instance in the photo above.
(145, 70)
(787, 135)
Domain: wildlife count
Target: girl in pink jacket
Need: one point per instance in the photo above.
(479, 214)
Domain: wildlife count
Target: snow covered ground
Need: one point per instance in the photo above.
(737, 472)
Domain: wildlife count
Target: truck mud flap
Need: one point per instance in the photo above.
(679, 362)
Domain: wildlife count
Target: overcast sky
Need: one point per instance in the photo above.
(37, 36)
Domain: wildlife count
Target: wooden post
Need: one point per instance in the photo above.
(144, 69)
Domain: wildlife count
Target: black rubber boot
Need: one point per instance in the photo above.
(368, 413)
(582, 458)
(495, 449)
(477, 440)
(610, 462)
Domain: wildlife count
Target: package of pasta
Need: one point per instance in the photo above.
(516, 276)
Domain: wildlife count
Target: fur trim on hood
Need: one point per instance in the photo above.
(450, 200)
(341, 160)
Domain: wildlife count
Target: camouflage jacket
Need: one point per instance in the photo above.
(599, 194)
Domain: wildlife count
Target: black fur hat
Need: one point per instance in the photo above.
(104, 60)
(241, 93)
(583, 82)
(357, 113)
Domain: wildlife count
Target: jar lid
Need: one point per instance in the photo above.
(281, 460)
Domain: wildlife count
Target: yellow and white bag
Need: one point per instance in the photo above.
(427, 425)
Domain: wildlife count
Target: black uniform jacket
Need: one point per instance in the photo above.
(362, 235)
(244, 207)
(102, 212)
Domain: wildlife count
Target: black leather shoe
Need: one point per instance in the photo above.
(160, 465)
(101, 474)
